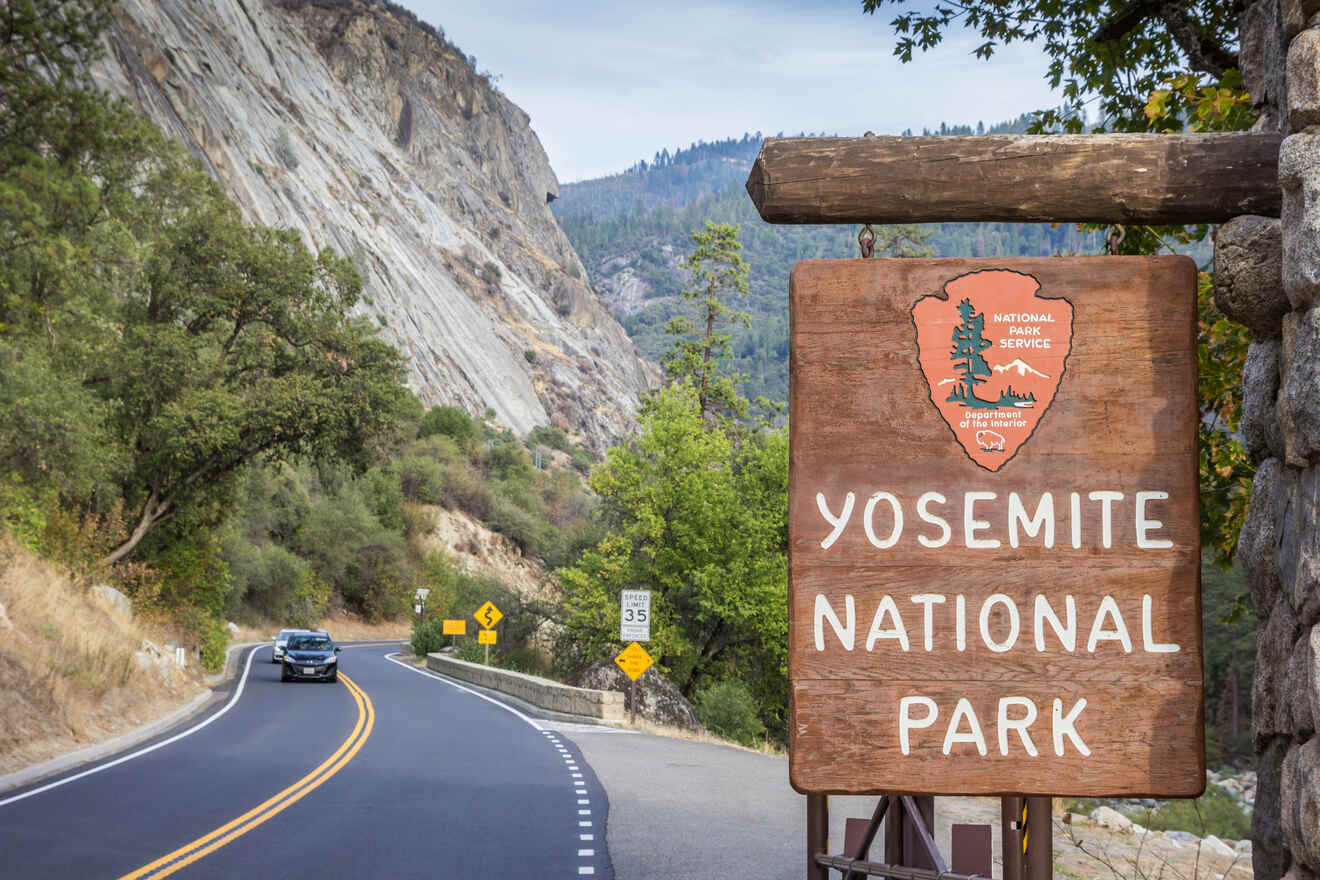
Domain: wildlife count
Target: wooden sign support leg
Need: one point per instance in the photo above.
(903, 835)
(818, 835)
(1040, 838)
(1010, 837)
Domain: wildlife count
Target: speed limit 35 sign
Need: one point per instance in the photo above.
(635, 616)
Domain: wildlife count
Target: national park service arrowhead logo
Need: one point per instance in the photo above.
(993, 353)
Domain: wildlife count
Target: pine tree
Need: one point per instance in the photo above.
(718, 272)
(968, 343)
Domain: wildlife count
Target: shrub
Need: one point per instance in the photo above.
(546, 435)
(215, 641)
(727, 707)
(383, 491)
(516, 524)
(467, 491)
(506, 460)
(421, 479)
(529, 355)
(428, 637)
(583, 460)
(451, 422)
(1216, 812)
(471, 651)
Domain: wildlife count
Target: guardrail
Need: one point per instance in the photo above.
(540, 692)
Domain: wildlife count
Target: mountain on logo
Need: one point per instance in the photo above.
(1022, 367)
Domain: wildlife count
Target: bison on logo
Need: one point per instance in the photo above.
(993, 352)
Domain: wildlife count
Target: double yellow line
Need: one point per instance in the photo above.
(209, 843)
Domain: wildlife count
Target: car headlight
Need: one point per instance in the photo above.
(331, 659)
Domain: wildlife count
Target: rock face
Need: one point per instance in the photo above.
(368, 132)
(1279, 544)
(658, 698)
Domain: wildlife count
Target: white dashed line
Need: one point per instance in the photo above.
(586, 852)
(586, 869)
(584, 801)
(584, 824)
(584, 812)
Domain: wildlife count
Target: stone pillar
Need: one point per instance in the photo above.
(1267, 277)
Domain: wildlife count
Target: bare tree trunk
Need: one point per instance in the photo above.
(153, 511)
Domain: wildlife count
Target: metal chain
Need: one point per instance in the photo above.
(866, 241)
(1114, 239)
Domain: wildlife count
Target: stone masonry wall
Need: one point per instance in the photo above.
(1267, 277)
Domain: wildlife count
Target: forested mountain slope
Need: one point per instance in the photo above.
(631, 230)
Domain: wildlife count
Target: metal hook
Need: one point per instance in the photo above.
(866, 241)
(1114, 238)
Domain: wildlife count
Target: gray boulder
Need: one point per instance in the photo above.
(658, 698)
(1248, 273)
(116, 600)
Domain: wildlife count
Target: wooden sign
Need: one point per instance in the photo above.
(993, 514)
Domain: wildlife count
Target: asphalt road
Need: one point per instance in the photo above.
(390, 773)
(396, 773)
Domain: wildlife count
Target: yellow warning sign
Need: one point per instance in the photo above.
(455, 627)
(488, 615)
(634, 660)
(486, 637)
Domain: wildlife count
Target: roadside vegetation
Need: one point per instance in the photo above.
(194, 415)
(72, 669)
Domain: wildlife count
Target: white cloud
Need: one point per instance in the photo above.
(607, 84)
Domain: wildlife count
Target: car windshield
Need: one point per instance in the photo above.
(309, 643)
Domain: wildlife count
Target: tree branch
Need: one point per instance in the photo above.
(1203, 53)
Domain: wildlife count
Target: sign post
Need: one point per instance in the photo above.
(634, 661)
(420, 607)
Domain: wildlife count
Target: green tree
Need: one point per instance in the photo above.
(702, 522)
(903, 240)
(1113, 52)
(165, 343)
(718, 272)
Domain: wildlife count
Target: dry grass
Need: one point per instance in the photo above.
(67, 671)
(343, 627)
(1092, 853)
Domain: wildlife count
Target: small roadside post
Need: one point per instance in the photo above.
(633, 660)
(419, 598)
(634, 626)
(487, 615)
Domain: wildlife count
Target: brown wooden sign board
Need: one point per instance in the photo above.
(993, 523)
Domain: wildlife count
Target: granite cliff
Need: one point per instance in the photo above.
(366, 130)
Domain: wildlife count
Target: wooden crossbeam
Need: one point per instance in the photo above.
(1096, 178)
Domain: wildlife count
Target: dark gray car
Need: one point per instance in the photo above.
(310, 655)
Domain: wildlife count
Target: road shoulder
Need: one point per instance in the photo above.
(208, 699)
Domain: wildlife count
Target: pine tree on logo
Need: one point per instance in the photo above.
(968, 343)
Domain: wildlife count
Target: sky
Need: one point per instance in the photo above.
(609, 83)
